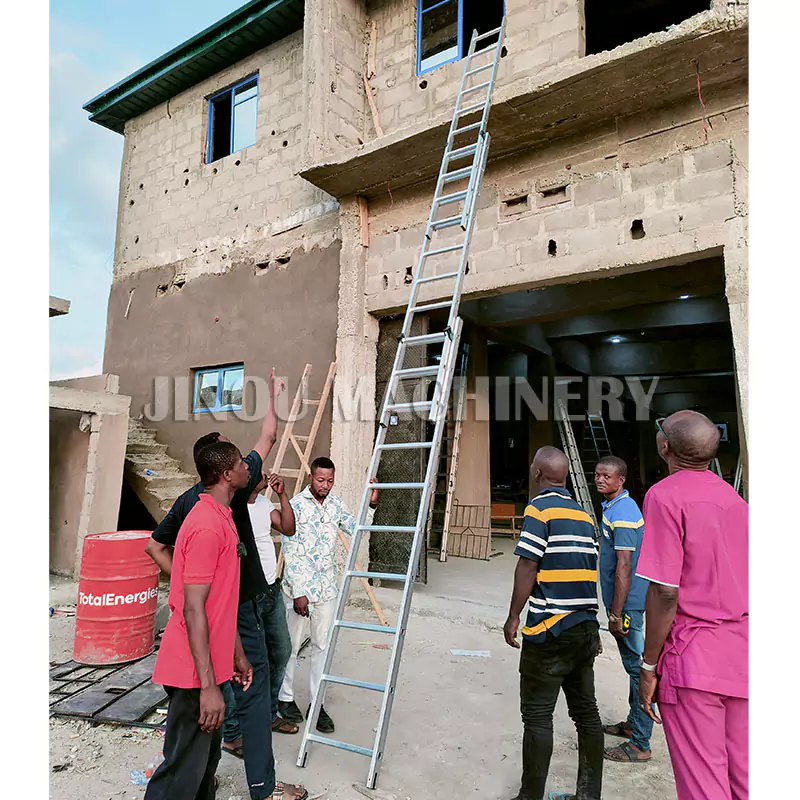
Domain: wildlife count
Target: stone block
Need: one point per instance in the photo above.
(711, 212)
(589, 239)
(708, 184)
(663, 224)
(566, 219)
(657, 172)
(712, 157)
(595, 189)
(629, 206)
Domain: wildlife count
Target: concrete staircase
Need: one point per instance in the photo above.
(157, 479)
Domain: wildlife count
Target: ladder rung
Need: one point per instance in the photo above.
(417, 372)
(470, 109)
(475, 88)
(486, 35)
(406, 446)
(431, 306)
(365, 626)
(455, 197)
(447, 222)
(384, 576)
(438, 277)
(415, 485)
(374, 687)
(301, 438)
(353, 748)
(471, 127)
(289, 473)
(389, 528)
(479, 69)
(418, 404)
(485, 50)
(425, 338)
(460, 152)
(311, 402)
(457, 175)
(441, 250)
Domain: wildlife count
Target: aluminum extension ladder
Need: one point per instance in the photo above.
(576, 472)
(477, 94)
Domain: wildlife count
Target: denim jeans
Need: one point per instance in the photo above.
(254, 707)
(563, 662)
(631, 648)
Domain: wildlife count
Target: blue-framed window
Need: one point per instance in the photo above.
(444, 28)
(218, 389)
(232, 115)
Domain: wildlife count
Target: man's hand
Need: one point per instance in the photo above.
(301, 606)
(276, 484)
(599, 644)
(276, 385)
(373, 498)
(212, 709)
(510, 631)
(648, 685)
(242, 671)
(615, 627)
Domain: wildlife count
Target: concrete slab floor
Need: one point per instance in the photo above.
(455, 732)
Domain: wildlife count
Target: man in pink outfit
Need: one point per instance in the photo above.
(694, 553)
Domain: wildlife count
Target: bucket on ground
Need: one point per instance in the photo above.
(117, 596)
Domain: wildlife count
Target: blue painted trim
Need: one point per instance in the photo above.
(230, 90)
(459, 37)
(220, 372)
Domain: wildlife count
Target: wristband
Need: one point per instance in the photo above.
(614, 617)
(647, 667)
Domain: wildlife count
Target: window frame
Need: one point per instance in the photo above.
(212, 100)
(459, 37)
(220, 373)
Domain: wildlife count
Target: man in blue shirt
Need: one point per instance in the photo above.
(623, 596)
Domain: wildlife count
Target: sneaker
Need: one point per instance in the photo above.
(324, 722)
(289, 710)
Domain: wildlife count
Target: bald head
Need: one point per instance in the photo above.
(550, 467)
(692, 437)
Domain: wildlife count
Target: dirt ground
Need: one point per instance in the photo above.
(455, 728)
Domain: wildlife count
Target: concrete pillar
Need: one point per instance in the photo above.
(473, 484)
(104, 469)
(541, 432)
(353, 425)
(736, 286)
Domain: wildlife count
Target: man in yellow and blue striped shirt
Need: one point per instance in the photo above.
(556, 577)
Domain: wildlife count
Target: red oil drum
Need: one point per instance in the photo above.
(117, 595)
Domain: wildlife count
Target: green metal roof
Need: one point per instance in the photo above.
(252, 27)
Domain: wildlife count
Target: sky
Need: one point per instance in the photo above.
(93, 44)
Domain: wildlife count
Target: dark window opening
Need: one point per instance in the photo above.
(637, 229)
(232, 117)
(610, 23)
(444, 29)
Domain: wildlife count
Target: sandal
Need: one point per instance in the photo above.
(560, 796)
(237, 752)
(280, 788)
(280, 725)
(620, 729)
(624, 752)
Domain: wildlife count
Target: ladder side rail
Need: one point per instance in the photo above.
(405, 602)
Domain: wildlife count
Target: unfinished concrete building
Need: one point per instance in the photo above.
(277, 173)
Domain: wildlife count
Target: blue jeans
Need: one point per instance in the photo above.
(272, 617)
(253, 709)
(631, 648)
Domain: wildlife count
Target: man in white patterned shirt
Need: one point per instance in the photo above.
(310, 581)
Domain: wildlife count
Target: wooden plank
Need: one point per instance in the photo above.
(102, 694)
(134, 705)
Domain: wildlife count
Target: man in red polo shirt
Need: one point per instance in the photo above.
(201, 649)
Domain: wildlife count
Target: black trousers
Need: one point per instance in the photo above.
(563, 662)
(190, 755)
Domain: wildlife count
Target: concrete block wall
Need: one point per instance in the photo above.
(657, 171)
(540, 33)
(177, 210)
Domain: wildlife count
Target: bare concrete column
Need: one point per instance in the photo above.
(103, 486)
(736, 280)
(353, 425)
